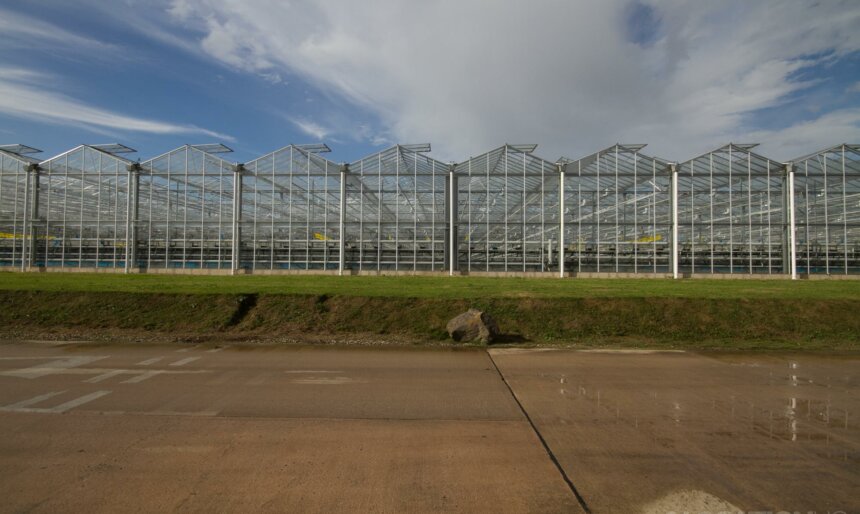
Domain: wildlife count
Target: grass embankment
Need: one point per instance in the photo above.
(600, 312)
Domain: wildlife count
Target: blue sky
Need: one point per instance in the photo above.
(572, 77)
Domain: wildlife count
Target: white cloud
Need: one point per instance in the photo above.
(311, 128)
(468, 75)
(19, 31)
(23, 95)
(854, 88)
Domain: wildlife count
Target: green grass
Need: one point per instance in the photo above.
(433, 287)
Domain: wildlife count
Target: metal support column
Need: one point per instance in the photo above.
(561, 170)
(674, 170)
(31, 196)
(237, 218)
(792, 226)
(131, 211)
(341, 260)
(452, 221)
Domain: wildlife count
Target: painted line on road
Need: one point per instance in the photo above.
(207, 413)
(311, 371)
(52, 368)
(183, 362)
(149, 362)
(79, 401)
(30, 358)
(32, 401)
(104, 376)
(59, 409)
(143, 376)
(216, 350)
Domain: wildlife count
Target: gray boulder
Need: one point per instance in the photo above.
(473, 325)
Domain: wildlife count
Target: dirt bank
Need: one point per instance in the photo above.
(675, 322)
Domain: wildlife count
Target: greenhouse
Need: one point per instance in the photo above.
(617, 212)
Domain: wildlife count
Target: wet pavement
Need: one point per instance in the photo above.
(106, 428)
(752, 432)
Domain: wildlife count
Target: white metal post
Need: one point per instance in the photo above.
(674, 169)
(561, 170)
(792, 244)
(131, 217)
(237, 217)
(452, 221)
(341, 261)
(27, 232)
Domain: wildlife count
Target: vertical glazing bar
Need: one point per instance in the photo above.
(274, 185)
(561, 171)
(506, 241)
(361, 216)
(579, 241)
(674, 207)
(826, 194)
(415, 212)
(129, 200)
(236, 219)
(341, 253)
(766, 212)
(26, 231)
(452, 222)
(844, 215)
(617, 221)
(167, 215)
(596, 218)
(379, 214)
(749, 211)
(397, 195)
(731, 217)
(792, 244)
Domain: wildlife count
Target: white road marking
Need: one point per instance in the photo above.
(32, 401)
(77, 402)
(143, 376)
(51, 368)
(59, 409)
(54, 343)
(29, 358)
(311, 371)
(216, 350)
(182, 350)
(184, 361)
(149, 362)
(181, 413)
(328, 381)
(104, 376)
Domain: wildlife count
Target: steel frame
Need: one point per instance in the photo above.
(619, 211)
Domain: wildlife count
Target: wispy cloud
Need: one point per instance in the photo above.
(23, 95)
(310, 128)
(19, 31)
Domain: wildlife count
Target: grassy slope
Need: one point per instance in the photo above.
(651, 313)
(434, 287)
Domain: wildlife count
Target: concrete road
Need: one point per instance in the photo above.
(143, 428)
(673, 432)
(107, 428)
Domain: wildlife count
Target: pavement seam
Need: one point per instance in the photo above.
(543, 442)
